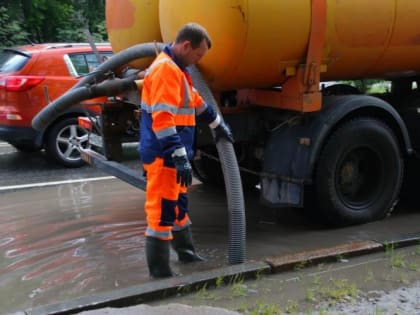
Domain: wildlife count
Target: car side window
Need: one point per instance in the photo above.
(79, 64)
(82, 64)
(92, 60)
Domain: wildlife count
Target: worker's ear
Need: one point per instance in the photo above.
(186, 46)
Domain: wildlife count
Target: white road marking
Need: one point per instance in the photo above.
(44, 184)
(6, 153)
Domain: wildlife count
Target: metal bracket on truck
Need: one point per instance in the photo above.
(118, 123)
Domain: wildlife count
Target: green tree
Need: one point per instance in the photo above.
(11, 33)
(55, 20)
(362, 85)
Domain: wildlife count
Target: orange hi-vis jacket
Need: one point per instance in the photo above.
(169, 105)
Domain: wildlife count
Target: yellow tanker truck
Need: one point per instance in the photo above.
(342, 150)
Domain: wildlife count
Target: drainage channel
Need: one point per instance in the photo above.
(164, 288)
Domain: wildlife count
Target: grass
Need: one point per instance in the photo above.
(204, 294)
(239, 290)
(266, 309)
(318, 292)
(316, 280)
(219, 282)
(301, 265)
(413, 267)
(370, 276)
(291, 306)
(310, 295)
(418, 250)
(396, 260)
(339, 290)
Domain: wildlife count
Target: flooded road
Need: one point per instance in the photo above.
(72, 240)
(63, 241)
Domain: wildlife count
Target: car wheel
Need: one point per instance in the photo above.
(64, 141)
(359, 173)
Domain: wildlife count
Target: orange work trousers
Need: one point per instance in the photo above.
(166, 201)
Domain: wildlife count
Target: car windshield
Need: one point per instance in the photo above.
(11, 61)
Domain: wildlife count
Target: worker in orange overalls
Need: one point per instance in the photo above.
(169, 106)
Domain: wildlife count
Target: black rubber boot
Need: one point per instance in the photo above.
(183, 245)
(157, 255)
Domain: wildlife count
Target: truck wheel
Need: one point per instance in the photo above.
(207, 170)
(359, 173)
(64, 141)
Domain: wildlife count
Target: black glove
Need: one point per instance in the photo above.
(183, 170)
(223, 131)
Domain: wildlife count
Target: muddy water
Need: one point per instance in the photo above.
(72, 240)
(67, 241)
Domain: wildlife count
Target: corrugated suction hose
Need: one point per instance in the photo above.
(85, 89)
(233, 183)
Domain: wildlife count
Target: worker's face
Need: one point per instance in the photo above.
(192, 55)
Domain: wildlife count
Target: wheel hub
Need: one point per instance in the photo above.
(359, 177)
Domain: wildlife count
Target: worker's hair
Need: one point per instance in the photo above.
(194, 33)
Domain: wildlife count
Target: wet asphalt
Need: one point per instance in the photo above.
(81, 237)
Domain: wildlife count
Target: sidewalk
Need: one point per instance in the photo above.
(170, 309)
(386, 282)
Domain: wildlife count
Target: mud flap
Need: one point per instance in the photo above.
(278, 193)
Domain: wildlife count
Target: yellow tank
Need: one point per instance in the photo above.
(254, 41)
(131, 22)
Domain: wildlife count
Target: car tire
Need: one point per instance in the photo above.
(64, 141)
(359, 173)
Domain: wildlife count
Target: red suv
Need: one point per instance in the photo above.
(31, 76)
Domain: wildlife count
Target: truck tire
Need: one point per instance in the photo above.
(209, 172)
(359, 173)
(64, 141)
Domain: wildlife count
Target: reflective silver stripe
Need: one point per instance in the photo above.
(167, 108)
(180, 152)
(177, 227)
(163, 235)
(201, 109)
(215, 122)
(161, 107)
(185, 110)
(166, 132)
(156, 63)
(186, 94)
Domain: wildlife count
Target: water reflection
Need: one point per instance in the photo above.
(63, 242)
(68, 241)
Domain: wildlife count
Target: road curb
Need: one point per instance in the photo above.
(153, 289)
(322, 255)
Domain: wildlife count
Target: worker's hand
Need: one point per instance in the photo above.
(223, 131)
(141, 75)
(183, 170)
